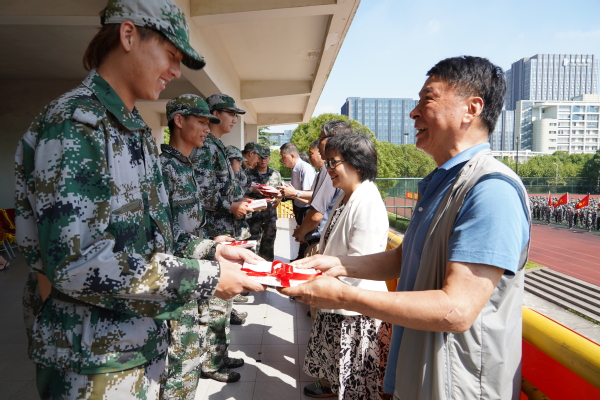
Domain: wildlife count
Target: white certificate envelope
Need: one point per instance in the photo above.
(256, 205)
(266, 267)
(245, 244)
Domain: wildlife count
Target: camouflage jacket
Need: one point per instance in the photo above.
(245, 181)
(182, 189)
(93, 216)
(270, 178)
(217, 189)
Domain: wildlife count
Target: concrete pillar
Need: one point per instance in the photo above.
(251, 131)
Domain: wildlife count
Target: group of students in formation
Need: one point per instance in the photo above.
(582, 213)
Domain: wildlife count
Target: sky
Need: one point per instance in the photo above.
(391, 44)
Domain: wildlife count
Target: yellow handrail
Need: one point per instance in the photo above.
(285, 210)
(393, 242)
(578, 354)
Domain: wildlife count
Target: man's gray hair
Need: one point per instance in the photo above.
(289, 148)
(335, 127)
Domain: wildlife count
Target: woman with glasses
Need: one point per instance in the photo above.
(347, 351)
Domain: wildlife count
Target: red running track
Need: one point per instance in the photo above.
(575, 253)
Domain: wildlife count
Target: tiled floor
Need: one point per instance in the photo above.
(272, 341)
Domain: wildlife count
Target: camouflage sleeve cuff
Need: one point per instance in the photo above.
(198, 249)
(208, 279)
(226, 205)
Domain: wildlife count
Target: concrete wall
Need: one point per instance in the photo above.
(21, 102)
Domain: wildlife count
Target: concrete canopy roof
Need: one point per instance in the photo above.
(272, 56)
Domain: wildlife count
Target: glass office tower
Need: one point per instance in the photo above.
(388, 118)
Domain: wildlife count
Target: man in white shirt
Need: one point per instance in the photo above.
(303, 175)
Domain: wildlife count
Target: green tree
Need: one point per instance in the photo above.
(166, 135)
(591, 173)
(263, 137)
(304, 134)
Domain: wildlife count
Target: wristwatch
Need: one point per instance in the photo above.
(298, 194)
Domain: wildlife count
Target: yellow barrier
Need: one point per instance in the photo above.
(285, 210)
(531, 391)
(568, 348)
(393, 242)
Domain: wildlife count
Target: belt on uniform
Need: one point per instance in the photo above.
(56, 294)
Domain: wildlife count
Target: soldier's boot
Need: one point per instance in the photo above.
(223, 375)
(240, 299)
(236, 320)
(242, 314)
(234, 362)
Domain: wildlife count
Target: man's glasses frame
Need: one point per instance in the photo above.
(232, 113)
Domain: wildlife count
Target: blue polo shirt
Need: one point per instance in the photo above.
(491, 228)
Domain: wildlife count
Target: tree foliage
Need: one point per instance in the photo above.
(275, 163)
(569, 165)
(263, 137)
(591, 172)
(166, 135)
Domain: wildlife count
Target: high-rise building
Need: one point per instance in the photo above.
(279, 138)
(558, 77)
(503, 137)
(549, 126)
(388, 118)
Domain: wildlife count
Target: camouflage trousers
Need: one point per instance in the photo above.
(263, 229)
(145, 382)
(215, 316)
(184, 356)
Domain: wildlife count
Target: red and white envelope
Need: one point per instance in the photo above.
(245, 244)
(257, 205)
(265, 189)
(278, 273)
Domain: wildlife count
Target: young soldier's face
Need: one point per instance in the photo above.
(155, 63)
(236, 164)
(194, 130)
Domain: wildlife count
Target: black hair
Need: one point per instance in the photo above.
(171, 123)
(314, 144)
(335, 127)
(475, 76)
(358, 150)
(304, 157)
(289, 148)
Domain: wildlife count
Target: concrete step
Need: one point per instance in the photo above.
(544, 294)
(567, 298)
(576, 292)
(568, 278)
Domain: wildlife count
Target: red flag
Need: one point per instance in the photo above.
(564, 199)
(583, 203)
(549, 199)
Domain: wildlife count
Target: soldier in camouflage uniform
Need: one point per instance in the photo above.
(188, 117)
(94, 225)
(217, 189)
(263, 224)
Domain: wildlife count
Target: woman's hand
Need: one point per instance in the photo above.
(330, 265)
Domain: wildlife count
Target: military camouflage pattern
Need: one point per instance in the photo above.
(215, 315)
(222, 101)
(217, 189)
(234, 152)
(190, 104)
(185, 352)
(251, 146)
(92, 215)
(145, 382)
(263, 224)
(187, 335)
(162, 16)
(265, 151)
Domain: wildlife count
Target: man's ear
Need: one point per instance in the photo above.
(127, 32)
(474, 109)
(178, 121)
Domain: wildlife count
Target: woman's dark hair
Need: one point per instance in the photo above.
(358, 150)
(107, 39)
(475, 76)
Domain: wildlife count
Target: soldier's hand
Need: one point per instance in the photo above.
(223, 238)
(236, 255)
(240, 208)
(233, 281)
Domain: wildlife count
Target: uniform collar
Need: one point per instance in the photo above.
(175, 153)
(113, 103)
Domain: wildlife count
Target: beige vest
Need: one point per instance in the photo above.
(483, 362)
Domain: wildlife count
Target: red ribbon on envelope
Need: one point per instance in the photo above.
(284, 273)
(237, 243)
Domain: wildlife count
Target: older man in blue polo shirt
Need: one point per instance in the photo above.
(457, 308)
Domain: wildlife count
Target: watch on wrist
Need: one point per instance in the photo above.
(298, 194)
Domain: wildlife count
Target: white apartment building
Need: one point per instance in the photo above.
(549, 126)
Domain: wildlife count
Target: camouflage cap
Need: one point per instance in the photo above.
(190, 104)
(251, 146)
(162, 16)
(223, 102)
(234, 152)
(265, 151)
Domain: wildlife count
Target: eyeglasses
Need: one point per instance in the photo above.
(232, 113)
(331, 164)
